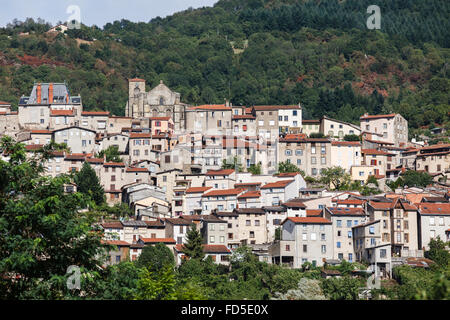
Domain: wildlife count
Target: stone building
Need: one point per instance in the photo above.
(158, 102)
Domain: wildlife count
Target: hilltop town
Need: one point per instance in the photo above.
(245, 176)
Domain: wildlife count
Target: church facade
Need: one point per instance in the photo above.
(158, 102)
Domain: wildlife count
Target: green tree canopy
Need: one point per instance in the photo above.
(156, 257)
(89, 184)
(193, 248)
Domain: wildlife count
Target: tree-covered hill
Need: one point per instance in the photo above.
(318, 53)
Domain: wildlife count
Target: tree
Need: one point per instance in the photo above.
(88, 184)
(413, 178)
(112, 154)
(307, 289)
(42, 231)
(193, 248)
(344, 288)
(317, 135)
(286, 167)
(351, 137)
(156, 285)
(336, 177)
(438, 253)
(255, 169)
(234, 163)
(156, 257)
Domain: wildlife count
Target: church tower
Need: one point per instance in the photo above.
(136, 92)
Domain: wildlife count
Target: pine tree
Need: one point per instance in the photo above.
(193, 248)
(88, 183)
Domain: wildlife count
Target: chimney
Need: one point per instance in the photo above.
(50, 93)
(38, 93)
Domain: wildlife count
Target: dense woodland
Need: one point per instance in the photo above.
(318, 53)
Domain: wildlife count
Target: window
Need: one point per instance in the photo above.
(288, 247)
(305, 248)
(257, 223)
(431, 221)
(313, 236)
(383, 253)
(324, 248)
(211, 227)
(299, 152)
(349, 234)
(441, 221)
(212, 239)
(294, 113)
(288, 152)
(304, 236)
(350, 257)
(322, 236)
(338, 244)
(372, 230)
(406, 237)
(117, 258)
(313, 150)
(339, 223)
(372, 242)
(252, 234)
(247, 222)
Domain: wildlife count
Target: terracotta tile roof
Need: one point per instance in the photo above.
(382, 205)
(226, 192)
(41, 132)
(274, 108)
(222, 172)
(347, 211)
(313, 212)
(375, 152)
(346, 143)
(250, 211)
(54, 112)
(243, 116)
(350, 201)
(294, 137)
(246, 184)
(313, 121)
(179, 221)
(5, 103)
(95, 160)
(250, 194)
(379, 142)
(311, 220)
(294, 204)
(157, 223)
(140, 135)
(278, 184)
(197, 189)
(379, 116)
(114, 164)
(158, 240)
(95, 113)
(33, 147)
(137, 170)
(75, 157)
(116, 243)
(210, 107)
(434, 208)
(207, 248)
(112, 225)
(136, 80)
(287, 174)
(160, 118)
(436, 146)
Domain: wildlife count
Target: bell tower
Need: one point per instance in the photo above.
(136, 88)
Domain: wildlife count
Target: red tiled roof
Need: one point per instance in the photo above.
(40, 132)
(278, 184)
(61, 112)
(179, 221)
(375, 152)
(379, 116)
(112, 225)
(346, 143)
(313, 212)
(94, 160)
(294, 137)
(311, 121)
(245, 184)
(116, 242)
(197, 189)
(207, 248)
(287, 174)
(226, 192)
(158, 240)
(270, 108)
(140, 135)
(350, 201)
(382, 205)
(210, 107)
(250, 194)
(379, 142)
(136, 80)
(309, 220)
(434, 208)
(4, 103)
(95, 113)
(294, 204)
(114, 164)
(160, 118)
(243, 116)
(33, 146)
(223, 172)
(436, 146)
(346, 211)
(137, 170)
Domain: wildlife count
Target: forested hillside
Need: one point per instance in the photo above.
(318, 53)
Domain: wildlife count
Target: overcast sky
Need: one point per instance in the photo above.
(98, 12)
